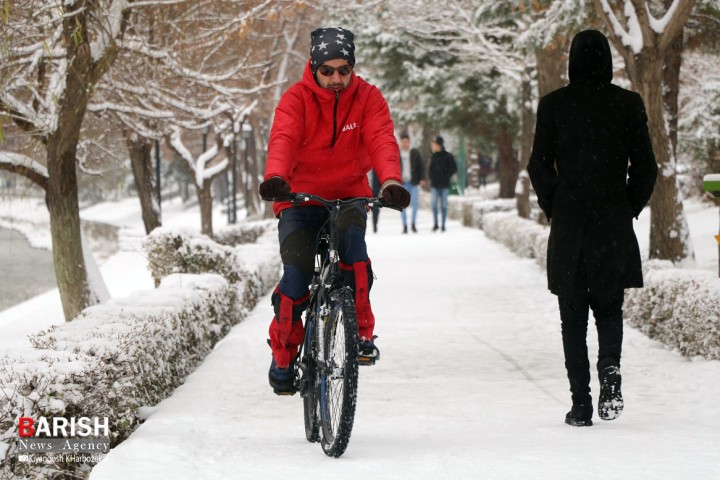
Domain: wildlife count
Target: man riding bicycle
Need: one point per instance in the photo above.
(329, 130)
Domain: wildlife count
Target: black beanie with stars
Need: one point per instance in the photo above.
(329, 44)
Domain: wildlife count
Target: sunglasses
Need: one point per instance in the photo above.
(328, 71)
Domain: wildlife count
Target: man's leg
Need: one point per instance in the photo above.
(297, 231)
(375, 217)
(414, 193)
(357, 271)
(574, 319)
(433, 203)
(403, 212)
(444, 196)
(607, 310)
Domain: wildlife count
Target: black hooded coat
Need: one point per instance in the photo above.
(593, 169)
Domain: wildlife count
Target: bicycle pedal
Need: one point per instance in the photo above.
(285, 393)
(365, 360)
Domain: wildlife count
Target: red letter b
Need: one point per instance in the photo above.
(25, 427)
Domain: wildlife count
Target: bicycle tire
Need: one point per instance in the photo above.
(338, 374)
(310, 385)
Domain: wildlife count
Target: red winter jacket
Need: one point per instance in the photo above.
(326, 146)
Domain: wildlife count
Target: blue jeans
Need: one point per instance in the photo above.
(442, 195)
(297, 231)
(413, 189)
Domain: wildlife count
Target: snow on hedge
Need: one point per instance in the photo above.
(133, 352)
(678, 307)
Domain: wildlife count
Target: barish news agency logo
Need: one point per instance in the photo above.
(81, 439)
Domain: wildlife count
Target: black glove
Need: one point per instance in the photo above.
(396, 196)
(273, 188)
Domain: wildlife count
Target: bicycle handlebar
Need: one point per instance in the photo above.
(300, 197)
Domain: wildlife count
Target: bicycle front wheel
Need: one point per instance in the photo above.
(339, 373)
(310, 384)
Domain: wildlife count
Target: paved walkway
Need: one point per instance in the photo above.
(471, 384)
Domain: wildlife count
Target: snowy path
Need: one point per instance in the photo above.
(471, 384)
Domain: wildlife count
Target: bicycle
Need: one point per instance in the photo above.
(326, 372)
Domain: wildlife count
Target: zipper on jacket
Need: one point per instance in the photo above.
(337, 100)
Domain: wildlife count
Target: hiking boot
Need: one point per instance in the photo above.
(282, 380)
(580, 415)
(368, 353)
(611, 403)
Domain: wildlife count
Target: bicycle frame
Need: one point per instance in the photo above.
(319, 373)
(327, 274)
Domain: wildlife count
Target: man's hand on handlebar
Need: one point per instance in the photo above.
(274, 187)
(395, 196)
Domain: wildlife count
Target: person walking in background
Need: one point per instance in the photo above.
(413, 174)
(442, 168)
(593, 169)
(375, 187)
(485, 164)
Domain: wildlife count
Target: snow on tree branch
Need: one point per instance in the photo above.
(109, 29)
(24, 165)
(658, 26)
(632, 37)
(202, 168)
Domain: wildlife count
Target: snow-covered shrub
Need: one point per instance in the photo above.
(678, 307)
(243, 232)
(172, 250)
(524, 237)
(112, 359)
(470, 210)
(478, 209)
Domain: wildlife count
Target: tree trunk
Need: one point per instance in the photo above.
(528, 127)
(205, 200)
(61, 196)
(671, 81)
(252, 166)
(552, 66)
(669, 235)
(508, 164)
(140, 150)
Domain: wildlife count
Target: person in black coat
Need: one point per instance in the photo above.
(442, 168)
(593, 169)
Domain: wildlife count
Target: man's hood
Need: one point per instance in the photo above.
(590, 57)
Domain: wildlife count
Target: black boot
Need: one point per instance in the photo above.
(580, 415)
(611, 403)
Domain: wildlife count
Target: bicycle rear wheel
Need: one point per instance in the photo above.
(338, 373)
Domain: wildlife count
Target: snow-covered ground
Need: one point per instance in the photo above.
(471, 382)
